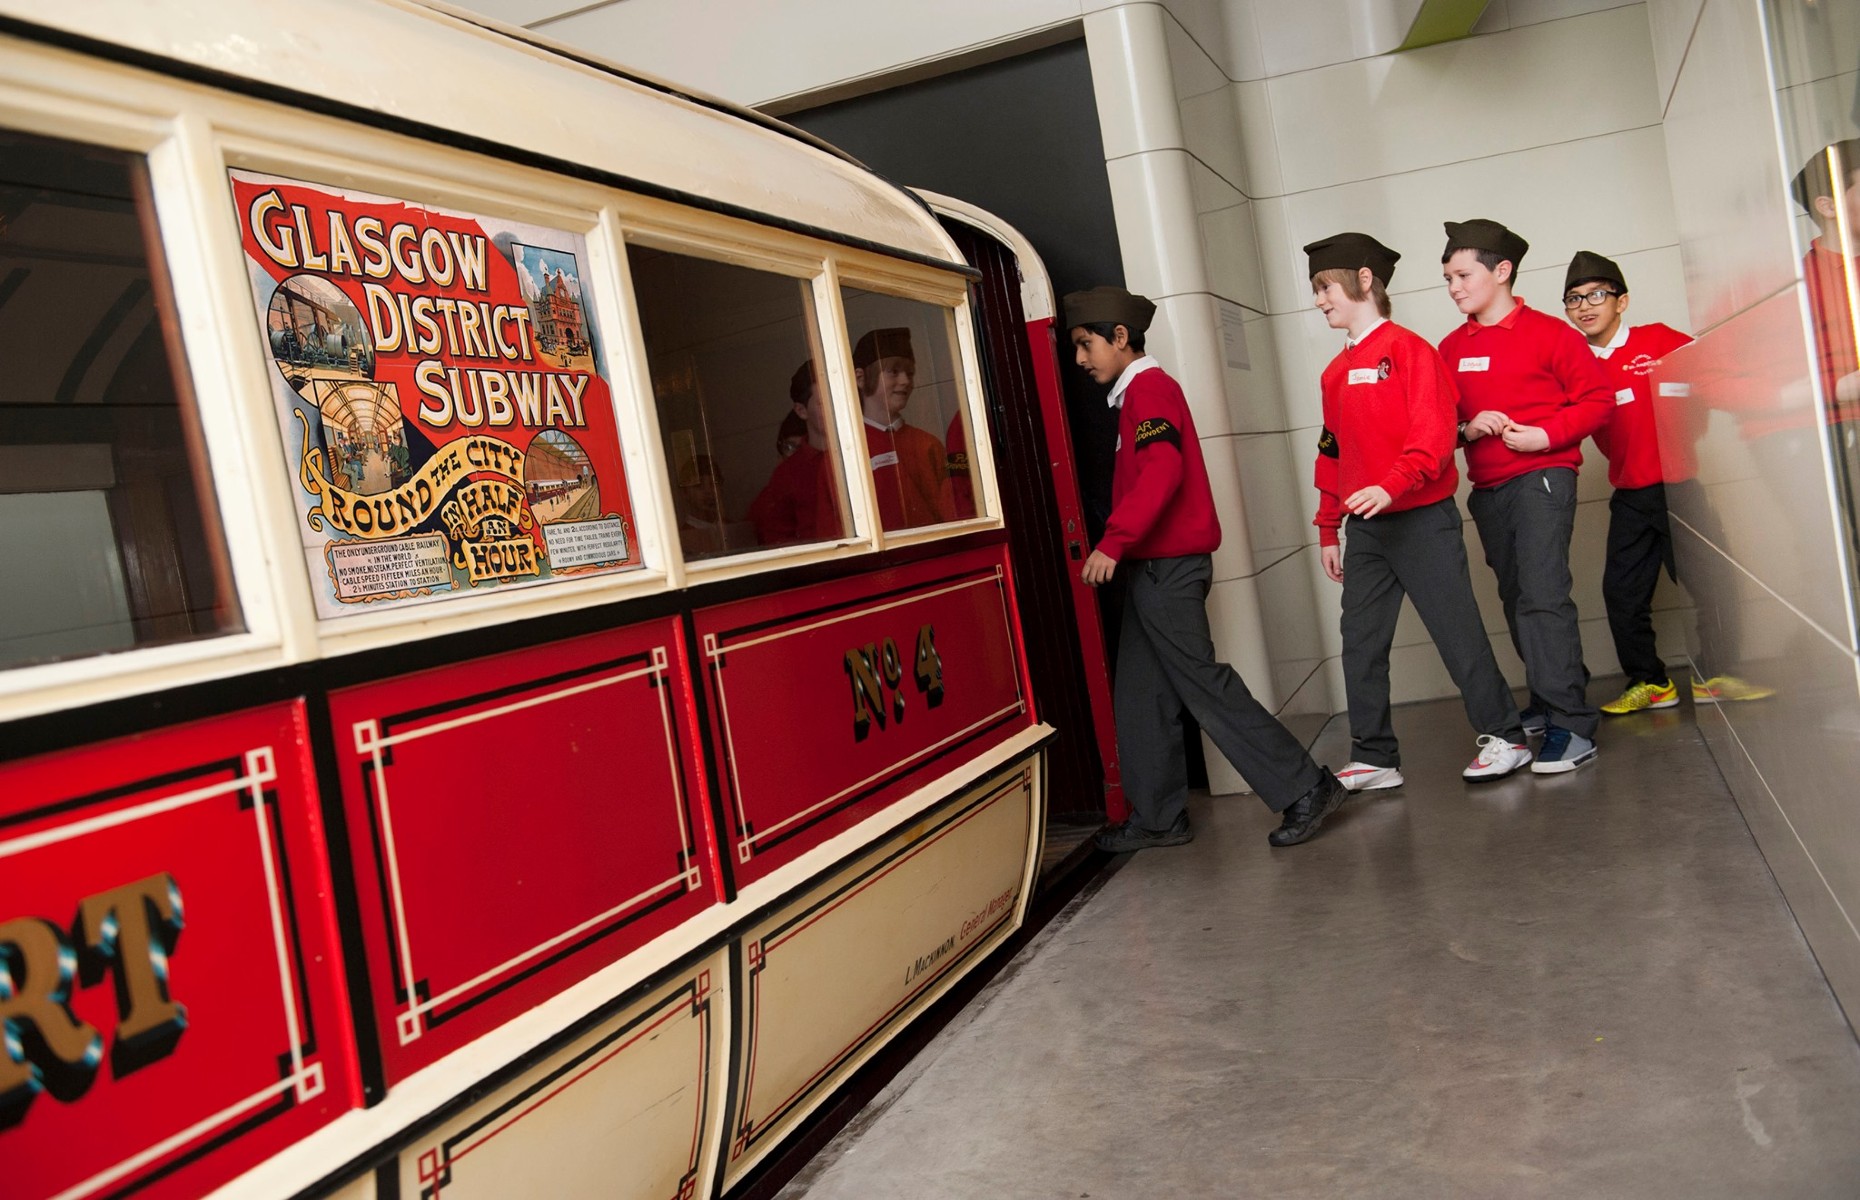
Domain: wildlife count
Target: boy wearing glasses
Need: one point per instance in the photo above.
(1640, 539)
(1530, 391)
(1385, 467)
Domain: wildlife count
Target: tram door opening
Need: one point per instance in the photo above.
(1041, 506)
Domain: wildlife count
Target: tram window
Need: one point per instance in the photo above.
(108, 531)
(742, 401)
(904, 363)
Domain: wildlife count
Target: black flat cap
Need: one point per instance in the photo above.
(1588, 266)
(894, 342)
(1352, 252)
(1109, 306)
(1481, 234)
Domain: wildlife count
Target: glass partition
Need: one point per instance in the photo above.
(108, 528)
(743, 403)
(911, 396)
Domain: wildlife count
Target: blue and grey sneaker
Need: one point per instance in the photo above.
(1562, 751)
(1535, 721)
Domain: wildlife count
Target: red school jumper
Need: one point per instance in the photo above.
(1538, 371)
(1630, 439)
(910, 473)
(1161, 505)
(1389, 419)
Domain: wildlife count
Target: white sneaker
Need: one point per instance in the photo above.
(1497, 757)
(1361, 777)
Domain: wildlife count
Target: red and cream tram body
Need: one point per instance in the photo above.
(498, 693)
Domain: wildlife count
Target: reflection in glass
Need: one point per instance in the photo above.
(904, 366)
(107, 525)
(742, 404)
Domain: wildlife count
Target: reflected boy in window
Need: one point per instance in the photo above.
(797, 504)
(910, 470)
(1824, 270)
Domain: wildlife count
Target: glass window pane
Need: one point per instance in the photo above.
(107, 522)
(742, 402)
(904, 364)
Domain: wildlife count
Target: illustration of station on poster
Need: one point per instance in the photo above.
(440, 394)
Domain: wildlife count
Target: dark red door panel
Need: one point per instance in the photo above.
(518, 823)
(170, 981)
(829, 703)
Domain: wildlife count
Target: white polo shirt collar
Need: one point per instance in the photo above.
(1620, 340)
(1116, 398)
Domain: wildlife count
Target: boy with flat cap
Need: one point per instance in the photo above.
(1530, 391)
(1824, 270)
(1385, 468)
(910, 470)
(1640, 536)
(798, 502)
(1162, 530)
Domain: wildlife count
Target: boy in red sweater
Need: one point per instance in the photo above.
(1530, 391)
(1162, 530)
(1385, 465)
(910, 470)
(1640, 535)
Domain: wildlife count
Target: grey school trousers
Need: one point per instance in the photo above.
(1420, 553)
(1166, 663)
(1525, 524)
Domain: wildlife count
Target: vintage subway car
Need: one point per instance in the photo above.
(501, 692)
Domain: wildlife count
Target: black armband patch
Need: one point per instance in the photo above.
(1156, 429)
(1327, 443)
(958, 465)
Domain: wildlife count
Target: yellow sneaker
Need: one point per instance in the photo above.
(1644, 695)
(1728, 687)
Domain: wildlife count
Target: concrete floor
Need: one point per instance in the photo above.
(1568, 986)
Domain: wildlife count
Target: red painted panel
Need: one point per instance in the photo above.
(518, 822)
(169, 971)
(819, 726)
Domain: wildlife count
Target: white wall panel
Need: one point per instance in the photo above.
(1671, 23)
(1436, 105)
(1734, 221)
(753, 53)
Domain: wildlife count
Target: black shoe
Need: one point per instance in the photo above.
(1309, 810)
(1119, 839)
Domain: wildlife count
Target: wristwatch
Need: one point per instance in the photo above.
(1462, 431)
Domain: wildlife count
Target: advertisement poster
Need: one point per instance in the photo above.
(439, 388)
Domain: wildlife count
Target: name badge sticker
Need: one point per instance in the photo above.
(1364, 375)
(1624, 396)
(1476, 364)
(888, 459)
(1675, 389)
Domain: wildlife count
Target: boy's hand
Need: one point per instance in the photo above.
(1526, 439)
(1098, 568)
(1333, 562)
(1489, 423)
(1370, 501)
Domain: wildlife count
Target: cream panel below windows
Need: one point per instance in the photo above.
(628, 1109)
(1727, 184)
(1528, 190)
(1462, 100)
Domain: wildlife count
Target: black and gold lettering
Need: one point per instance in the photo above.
(131, 932)
(868, 695)
(929, 666)
(46, 1048)
(1157, 429)
(1327, 443)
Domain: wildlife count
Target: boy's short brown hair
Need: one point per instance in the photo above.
(1352, 287)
